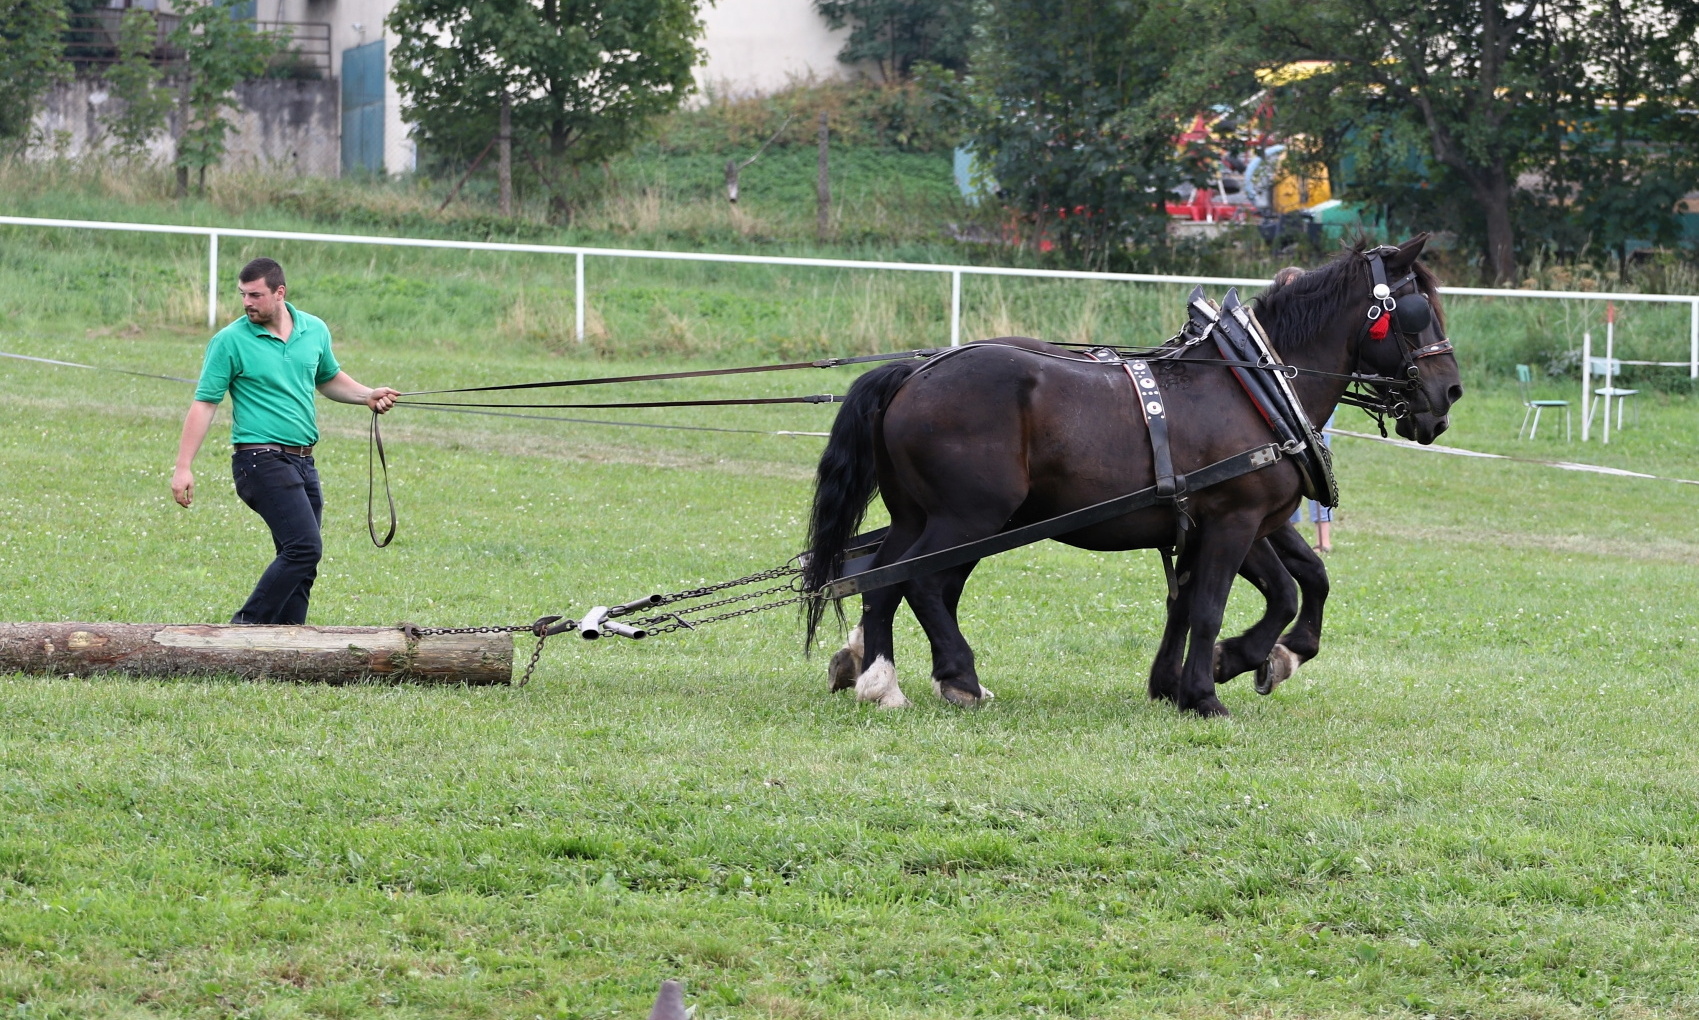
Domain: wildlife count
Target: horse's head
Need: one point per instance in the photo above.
(1403, 339)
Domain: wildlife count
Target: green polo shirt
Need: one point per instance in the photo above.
(270, 382)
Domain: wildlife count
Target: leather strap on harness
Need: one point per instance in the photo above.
(1170, 486)
(1149, 395)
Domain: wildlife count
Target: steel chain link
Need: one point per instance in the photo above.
(775, 573)
(679, 623)
(665, 623)
(538, 628)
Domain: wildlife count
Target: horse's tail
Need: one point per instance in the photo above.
(846, 481)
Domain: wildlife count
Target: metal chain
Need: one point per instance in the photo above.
(524, 628)
(680, 623)
(536, 654)
(656, 624)
(788, 570)
(540, 628)
(662, 624)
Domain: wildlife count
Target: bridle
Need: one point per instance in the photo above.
(1406, 315)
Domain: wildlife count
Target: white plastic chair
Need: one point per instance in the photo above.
(1524, 379)
(1610, 368)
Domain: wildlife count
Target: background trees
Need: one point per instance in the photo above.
(897, 34)
(220, 52)
(583, 76)
(1558, 122)
(1073, 112)
(141, 104)
(32, 59)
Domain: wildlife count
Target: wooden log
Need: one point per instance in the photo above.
(321, 654)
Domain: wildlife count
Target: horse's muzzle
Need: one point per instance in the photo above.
(1422, 428)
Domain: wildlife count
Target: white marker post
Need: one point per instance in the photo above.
(212, 281)
(1610, 364)
(1586, 384)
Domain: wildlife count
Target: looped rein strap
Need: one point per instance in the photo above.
(375, 442)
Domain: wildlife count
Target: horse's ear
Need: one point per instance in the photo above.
(1409, 251)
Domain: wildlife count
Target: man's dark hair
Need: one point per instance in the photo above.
(263, 269)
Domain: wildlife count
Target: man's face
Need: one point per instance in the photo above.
(260, 302)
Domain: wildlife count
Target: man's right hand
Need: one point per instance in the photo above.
(183, 486)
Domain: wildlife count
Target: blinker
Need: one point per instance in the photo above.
(1414, 314)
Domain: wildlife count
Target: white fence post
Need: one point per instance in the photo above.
(1693, 343)
(1586, 383)
(956, 308)
(578, 294)
(1610, 366)
(212, 280)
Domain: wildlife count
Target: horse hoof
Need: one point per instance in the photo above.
(845, 666)
(879, 684)
(959, 697)
(843, 669)
(1211, 708)
(1281, 664)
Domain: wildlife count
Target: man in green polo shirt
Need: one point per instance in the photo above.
(270, 361)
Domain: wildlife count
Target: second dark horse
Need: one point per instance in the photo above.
(1014, 431)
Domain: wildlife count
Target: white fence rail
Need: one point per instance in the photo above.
(580, 253)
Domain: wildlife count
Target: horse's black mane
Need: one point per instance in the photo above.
(1295, 313)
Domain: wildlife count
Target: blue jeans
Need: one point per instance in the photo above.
(1318, 514)
(284, 490)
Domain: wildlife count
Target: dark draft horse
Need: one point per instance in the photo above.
(1014, 431)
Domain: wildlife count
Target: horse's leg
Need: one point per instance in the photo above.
(934, 600)
(877, 681)
(1303, 641)
(1251, 650)
(952, 601)
(848, 661)
(1170, 654)
(1222, 546)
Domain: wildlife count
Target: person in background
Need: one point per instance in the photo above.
(270, 361)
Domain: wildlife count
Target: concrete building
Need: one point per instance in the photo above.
(760, 46)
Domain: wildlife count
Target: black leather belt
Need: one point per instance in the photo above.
(299, 451)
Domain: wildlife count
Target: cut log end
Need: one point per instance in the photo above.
(334, 655)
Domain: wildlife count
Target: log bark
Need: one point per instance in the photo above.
(317, 654)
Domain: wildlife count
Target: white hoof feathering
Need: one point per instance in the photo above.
(879, 684)
(956, 696)
(856, 644)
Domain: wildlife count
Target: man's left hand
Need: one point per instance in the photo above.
(382, 398)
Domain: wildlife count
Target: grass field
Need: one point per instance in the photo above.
(1482, 800)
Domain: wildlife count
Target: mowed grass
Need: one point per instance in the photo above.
(1481, 800)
